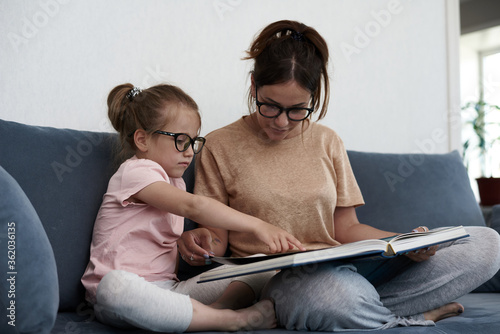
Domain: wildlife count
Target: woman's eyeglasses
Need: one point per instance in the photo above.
(271, 110)
(183, 141)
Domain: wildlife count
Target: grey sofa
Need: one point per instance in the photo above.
(51, 185)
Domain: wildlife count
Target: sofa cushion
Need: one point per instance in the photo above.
(403, 191)
(29, 290)
(64, 173)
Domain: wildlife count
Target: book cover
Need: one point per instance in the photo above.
(388, 247)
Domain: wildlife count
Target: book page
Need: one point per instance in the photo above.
(416, 240)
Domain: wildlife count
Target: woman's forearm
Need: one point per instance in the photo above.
(349, 229)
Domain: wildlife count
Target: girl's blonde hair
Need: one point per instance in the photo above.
(130, 108)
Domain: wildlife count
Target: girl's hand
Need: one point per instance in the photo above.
(423, 254)
(277, 239)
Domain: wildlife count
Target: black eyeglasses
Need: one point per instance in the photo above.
(271, 110)
(183, 141)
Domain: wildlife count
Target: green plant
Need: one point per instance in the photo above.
(482, 126)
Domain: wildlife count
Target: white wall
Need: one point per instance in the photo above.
(391, 89)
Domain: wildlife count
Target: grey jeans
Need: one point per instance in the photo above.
(340, 296)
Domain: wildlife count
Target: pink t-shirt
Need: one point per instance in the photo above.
(134, 237)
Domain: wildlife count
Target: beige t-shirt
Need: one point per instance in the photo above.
(295, 183)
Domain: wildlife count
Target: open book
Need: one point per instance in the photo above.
(388, 247)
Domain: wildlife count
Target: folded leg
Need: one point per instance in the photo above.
(330, 297)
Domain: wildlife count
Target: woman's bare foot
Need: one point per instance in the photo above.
(445, 311)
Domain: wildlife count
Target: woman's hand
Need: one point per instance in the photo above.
(196, 246)
(423, 254)
(277, 239)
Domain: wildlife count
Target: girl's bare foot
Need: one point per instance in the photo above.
(445, 311)
(258, 316)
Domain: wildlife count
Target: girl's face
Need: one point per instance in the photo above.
(161, 148)
(286, 95)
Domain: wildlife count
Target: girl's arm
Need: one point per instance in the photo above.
(207, 211)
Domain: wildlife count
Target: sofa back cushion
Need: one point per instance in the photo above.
(404, 191)
(64, 173)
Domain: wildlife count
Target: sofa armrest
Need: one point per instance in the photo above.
(29, 294)
(493, 285)
(494, 219)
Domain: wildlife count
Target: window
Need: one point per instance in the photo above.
(490, 90)
(480, 81)
(489, 76)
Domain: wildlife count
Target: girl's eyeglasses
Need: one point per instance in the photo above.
(183, 141)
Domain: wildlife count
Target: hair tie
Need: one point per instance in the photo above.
(298, 36)
(133, 93)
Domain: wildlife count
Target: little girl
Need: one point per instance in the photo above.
(131, 277)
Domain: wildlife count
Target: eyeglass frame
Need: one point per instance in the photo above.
(283, 109)
(191, 140)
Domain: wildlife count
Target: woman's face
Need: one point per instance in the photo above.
(286, 95)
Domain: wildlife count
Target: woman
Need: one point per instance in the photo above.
(279, 166)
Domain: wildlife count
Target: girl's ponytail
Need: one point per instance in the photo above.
(117, 106)
(120, 114)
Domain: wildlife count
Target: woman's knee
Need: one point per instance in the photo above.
(485, 240)
(321, 298)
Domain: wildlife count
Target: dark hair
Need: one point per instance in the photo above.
(130, 109)
(289, 50)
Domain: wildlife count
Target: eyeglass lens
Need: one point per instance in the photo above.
(270, 110)
(183, 142)
(273, 110)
